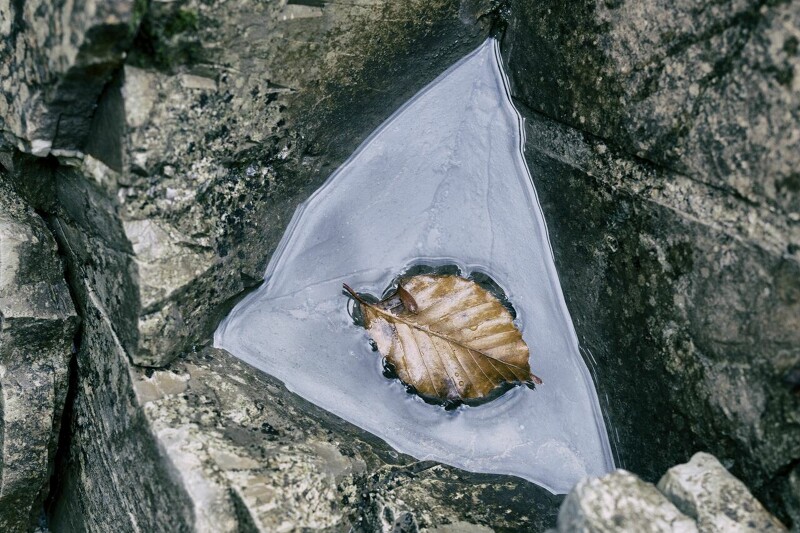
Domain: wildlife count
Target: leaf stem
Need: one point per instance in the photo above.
(353, 293)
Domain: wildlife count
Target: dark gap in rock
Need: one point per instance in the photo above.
(78, 92)
(32, 178)
(64, 446)
(776, 490)
(310, 3)
(60, 462)
(167, 39)
(18, 26)
(497, 16)
(108, 123)
(245, 521)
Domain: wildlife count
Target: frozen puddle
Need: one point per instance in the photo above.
(442, 181)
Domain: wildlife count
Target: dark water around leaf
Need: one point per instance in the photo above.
(441, 184)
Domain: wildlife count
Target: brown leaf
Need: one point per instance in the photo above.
(448, 338)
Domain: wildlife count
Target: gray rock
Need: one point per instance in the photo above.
(791, 495)
(112, 474)
(37, 327)
(704, 490)
(697, 496)
(224, 447)
(55, 60)
(685, 307)
(681, 275)
(709, 90)
(620, 502)
(673, 225)
(460, 527)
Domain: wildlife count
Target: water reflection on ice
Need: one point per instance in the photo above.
(442, 181)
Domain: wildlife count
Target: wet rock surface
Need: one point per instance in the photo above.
(37, 326)
(659, 273)
(675, 237)
(183, 134)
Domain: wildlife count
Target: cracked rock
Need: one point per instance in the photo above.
(37, 326)
(710, 90)
(55, 59)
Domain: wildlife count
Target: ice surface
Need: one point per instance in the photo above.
(442, 181)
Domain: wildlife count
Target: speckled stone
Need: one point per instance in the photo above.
(620, 502)
(55, 59)
(667, 178)
(704, 490)
(666, 172)
(37, 326)
(685, 301)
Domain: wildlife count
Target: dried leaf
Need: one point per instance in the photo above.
(448, 338)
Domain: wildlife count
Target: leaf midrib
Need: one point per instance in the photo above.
(437, 334)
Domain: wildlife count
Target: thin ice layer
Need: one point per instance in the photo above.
(441, 181)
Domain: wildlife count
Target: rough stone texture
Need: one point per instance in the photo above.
(791, 497)
(216, 105)
(37, 327)
(697, 496)
(684, 287)
(704, 490)
(620, 502)
(675, 232)
(709, 89)
(112, 474)
(684, 308)
(250, 454)
(55, 59)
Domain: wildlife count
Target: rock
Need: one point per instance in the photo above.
(672, 285)
(112, 474)
(709, 91)
(37, 328)
(460, 527)
(238, 450)
(697, 496)
(678, 257)
(668, 189)
(704, 490)
(791, 496)
(193, 141)
(620, 502)
(55, 60)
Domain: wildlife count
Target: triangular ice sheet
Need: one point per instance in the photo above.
(442, 181)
